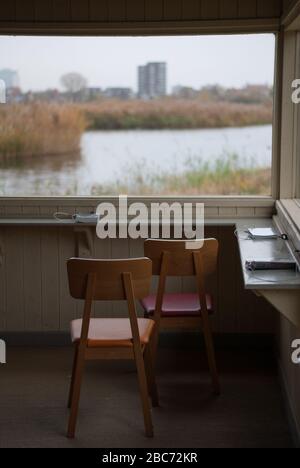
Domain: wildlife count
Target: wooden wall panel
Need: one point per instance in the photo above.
(62, 10)
(50, 279)
(117, 10)
(135, 10)
(32, 279)
(8, 11)
(210, 9)
(99, 10)
(14, 250)
(172, 10)
(228, 9)
(44, 10)
(268, 8)
(247, 9)
(25, 10)
(191, 9)
(33, 269)
(3, 307)
(154, 10)
(80, 11)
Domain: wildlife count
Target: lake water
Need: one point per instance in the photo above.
(107, 156)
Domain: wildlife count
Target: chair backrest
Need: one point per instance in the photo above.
(175, 258)
(108, 275)
(181, 259)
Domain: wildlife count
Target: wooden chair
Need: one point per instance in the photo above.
(100, 338)
(173, 258)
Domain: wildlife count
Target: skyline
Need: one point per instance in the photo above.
(40, 70)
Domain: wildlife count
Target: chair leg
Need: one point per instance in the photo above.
(73, 375)
(139, 361)
(210, 353)
(151, 375)
(79, 367)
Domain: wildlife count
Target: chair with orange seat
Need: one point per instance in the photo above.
(102, 338)
(183, 258)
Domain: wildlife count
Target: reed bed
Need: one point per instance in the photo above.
(170, 113)
(39, 129)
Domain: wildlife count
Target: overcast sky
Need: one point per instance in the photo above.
(108, 62)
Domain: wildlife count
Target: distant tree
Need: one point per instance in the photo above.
(73, 83)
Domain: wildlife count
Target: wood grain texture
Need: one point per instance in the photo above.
(154, 10)
(117, 10)
(62, 10)
(80, 11)
(172, 10)
(25, 10)
(247, 9)
(210, 9)
(135, 10)
(8, 11)
(99, 10)
(44, 10)
(228, 9)
(191, 9)
(268, 8)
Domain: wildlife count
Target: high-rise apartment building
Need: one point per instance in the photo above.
(10, 78)
(152, 80)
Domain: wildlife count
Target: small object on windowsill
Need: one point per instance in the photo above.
(267, 264)
(262, 233)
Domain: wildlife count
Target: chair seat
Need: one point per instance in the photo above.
(178, 305)
(108, 333)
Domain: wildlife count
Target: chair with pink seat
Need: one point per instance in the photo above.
(183, 310)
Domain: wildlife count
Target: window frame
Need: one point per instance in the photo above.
(221, 206)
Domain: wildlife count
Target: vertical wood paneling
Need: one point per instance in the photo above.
(32, 279)
(228, 9)
(117, 10)
(227, 270)
(247, 9)
(268, 8)
(68, 305)
(80, 10)
(44, 10)
(212, 283)
(135, 10)
(14, 279)
(50, 279)
(99, 10)
(191, 9)
(154, 10)
(2, 280)
(210, 9)
(8, 11)
(172, 10)
(62, 10)
(24, 10)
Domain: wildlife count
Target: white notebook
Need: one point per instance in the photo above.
(262, 233)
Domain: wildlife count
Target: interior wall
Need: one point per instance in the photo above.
(135, 10)
(34, 292)
(290, 372)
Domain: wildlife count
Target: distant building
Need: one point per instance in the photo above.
(119, 93)
(184, 92)
(152, 80)
(10, 78)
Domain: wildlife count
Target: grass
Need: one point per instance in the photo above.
(39, 129)
(225, 176)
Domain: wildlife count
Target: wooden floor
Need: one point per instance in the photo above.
(250, 413)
